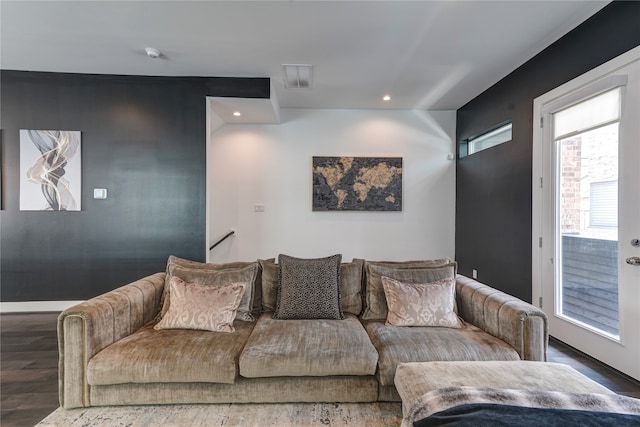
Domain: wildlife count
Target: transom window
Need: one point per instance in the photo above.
(486, 139)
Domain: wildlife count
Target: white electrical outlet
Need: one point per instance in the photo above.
(258, 208)
(474, 273)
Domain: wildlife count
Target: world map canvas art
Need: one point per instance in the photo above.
(357, 184)
(50, 170)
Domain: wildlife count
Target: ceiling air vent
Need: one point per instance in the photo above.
(297, 76)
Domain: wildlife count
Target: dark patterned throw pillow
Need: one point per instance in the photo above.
(309, 288)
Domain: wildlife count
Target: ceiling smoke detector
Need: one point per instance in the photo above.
(297, 76)
(153, 52)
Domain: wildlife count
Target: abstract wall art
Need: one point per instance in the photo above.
(50, 170)
(357, 184)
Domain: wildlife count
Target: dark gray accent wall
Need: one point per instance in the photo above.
(144, 140)
(493, 187)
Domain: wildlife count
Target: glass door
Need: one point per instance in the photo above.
(586, 212)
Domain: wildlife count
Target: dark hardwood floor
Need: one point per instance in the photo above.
(614, 380)
(29, 368)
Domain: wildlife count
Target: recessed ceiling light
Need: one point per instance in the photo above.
(386, 98)
(237, 113)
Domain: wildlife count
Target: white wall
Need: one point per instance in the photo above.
(271, 165)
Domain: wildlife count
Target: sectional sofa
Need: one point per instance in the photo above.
(300, 331)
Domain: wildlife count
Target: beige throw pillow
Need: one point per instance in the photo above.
(206, 308)
(421, 304)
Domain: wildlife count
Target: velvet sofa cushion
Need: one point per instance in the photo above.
(397, 344)
(201, 307)
(170, 356)
(187, 263)
(321, 347)
(182, 262)
(350, 285)
(407, 272)
(215, 276)
(309, 288)
(269, 284)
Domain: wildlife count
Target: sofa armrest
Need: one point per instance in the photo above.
(87, 328)
(514, 321)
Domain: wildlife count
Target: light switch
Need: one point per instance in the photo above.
(99, 193)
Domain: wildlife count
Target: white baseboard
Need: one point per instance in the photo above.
(35, 306)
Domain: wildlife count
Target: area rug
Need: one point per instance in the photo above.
(379, 414)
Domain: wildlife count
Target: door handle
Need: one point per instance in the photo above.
(634, 260)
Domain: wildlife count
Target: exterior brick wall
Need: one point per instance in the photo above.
(571, 166)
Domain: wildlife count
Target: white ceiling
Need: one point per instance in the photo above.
(425, 54)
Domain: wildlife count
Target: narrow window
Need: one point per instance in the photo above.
(603, 203)
(487, 139)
